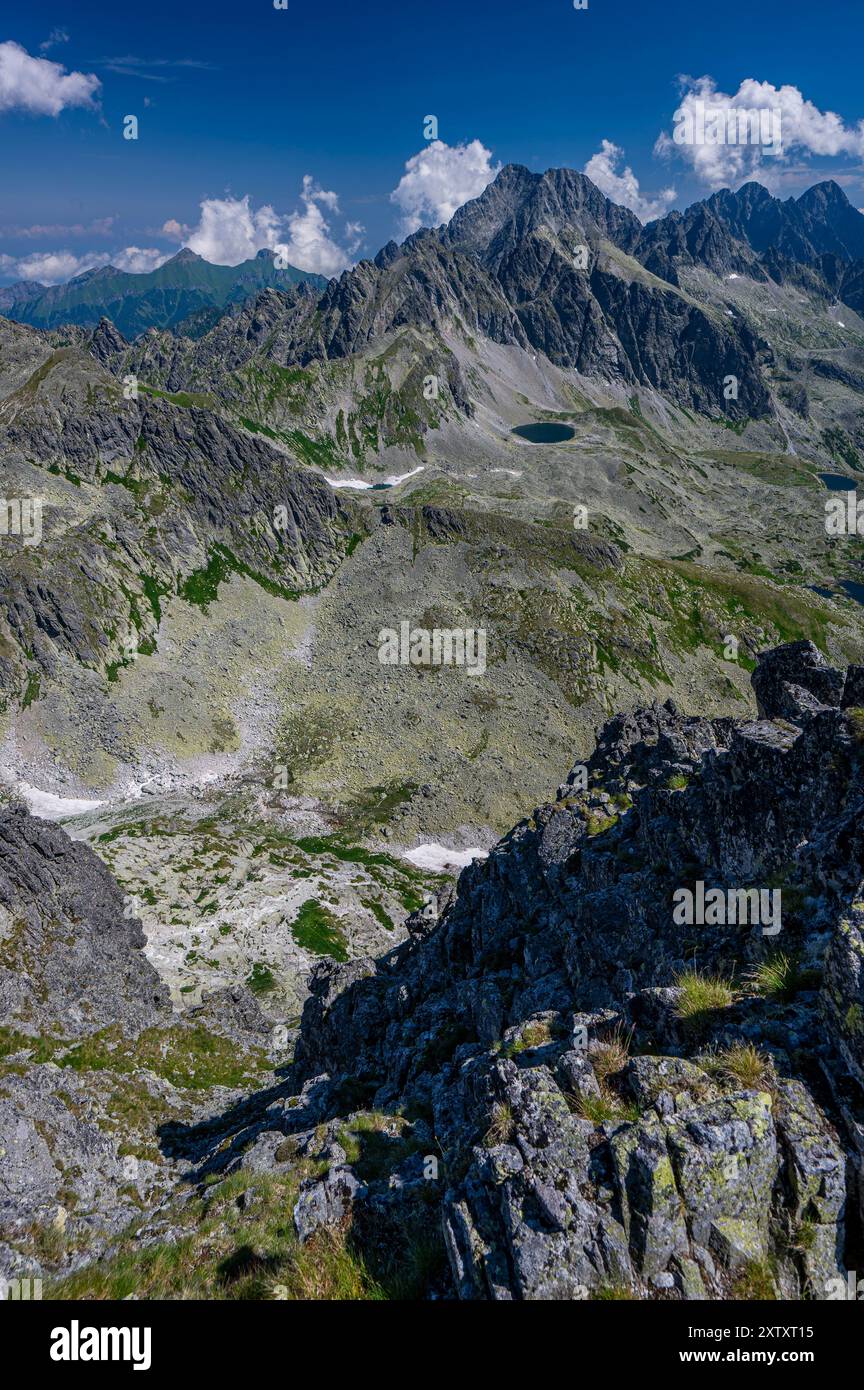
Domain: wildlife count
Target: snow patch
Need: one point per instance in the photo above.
(51, 807)
(361, 485)
(438, 858)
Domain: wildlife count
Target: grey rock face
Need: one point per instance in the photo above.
(99, 1075)
(695, 1163)
(235, 1012)
(70, 957)
(787, 676)
(184, 489)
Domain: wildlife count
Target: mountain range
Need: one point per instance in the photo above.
(639, 312)
(187, 293)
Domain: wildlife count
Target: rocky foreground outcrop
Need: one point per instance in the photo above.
(600, 1101)
(70, 951)
(94, 1062)
(567, 1084)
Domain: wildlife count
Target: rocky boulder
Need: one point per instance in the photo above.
(71, 958)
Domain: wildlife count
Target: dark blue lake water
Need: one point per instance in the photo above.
(838, 482)
(546, 432)
(854, 590)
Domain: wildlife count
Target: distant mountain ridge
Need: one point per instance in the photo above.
(504, 264)
(750, 232)
(182, 294)
(543, 263)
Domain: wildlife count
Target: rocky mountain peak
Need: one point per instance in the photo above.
(518, 203)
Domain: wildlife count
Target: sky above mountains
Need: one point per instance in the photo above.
(308, 127)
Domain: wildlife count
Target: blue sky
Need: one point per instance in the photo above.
(242, 101)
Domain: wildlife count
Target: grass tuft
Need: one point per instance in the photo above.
(780, 977)
(702, 994)
(741, 1063)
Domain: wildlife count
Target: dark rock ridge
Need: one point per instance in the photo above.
(505, 267)
(92, 1055)
(725, 1143)
(184, 482)
(70, 954)
(821, 221)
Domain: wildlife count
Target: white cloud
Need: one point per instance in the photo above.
(100, 226)
(56, 267)
(439, 179)
(309, 244)
(138, 259)
(804, 131)
(230, 231)
(53, 267)
(40, 87)
(622, 185)
(56, 37)
(177, 231)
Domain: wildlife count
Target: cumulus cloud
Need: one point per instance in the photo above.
(56, 267)
(230, 230)
(176, 231)
(622, 185)
(804, 131)
(138, 259)
(439, 179)
(51, 267)
(309, 244)
(40, 87)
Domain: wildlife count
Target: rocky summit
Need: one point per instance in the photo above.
(556, 1086)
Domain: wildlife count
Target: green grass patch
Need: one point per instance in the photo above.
(316, 929)
(231, 1251)
(190, 1058)
(261, 979)
(377, 909)
(201, 587)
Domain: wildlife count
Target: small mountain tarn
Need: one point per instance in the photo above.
(838, 482)
(544, 432)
